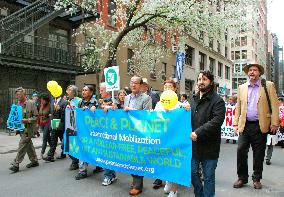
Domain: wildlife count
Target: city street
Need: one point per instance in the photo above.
(54, 179)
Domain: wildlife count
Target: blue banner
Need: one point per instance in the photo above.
(151, 144)
(15, 118)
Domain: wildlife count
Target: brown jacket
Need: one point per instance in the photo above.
(265, 118)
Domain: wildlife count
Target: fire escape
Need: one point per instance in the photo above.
(18, 47)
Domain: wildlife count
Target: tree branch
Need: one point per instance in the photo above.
(131, 14)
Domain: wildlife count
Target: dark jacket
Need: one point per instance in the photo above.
(208, 114)
(155, 98)
(90, 103)
(60, 113)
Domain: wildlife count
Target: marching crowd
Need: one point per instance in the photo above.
(257, 114)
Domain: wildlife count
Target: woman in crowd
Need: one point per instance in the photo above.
(88, 102)
(120, 98)
(44, 121)
(72, 102)
(72, 96)
(170, 188)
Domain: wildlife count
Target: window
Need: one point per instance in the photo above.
(211, 43)
(237, 55)
(218, 46)
(201, 61)
(153, 72)
(165, 67)
(227, 72)
(152, 36)
(212, 65)
(163, 38)
(244, 54)
(232, 43)
(130, 63)
(226, 52)
(188, 55)
(174, 71)
(232, 55)
(201, 36)
(237, 42)
(58, 38)
(244, 41)
(237, 68)
(220, 69)
(111, 12)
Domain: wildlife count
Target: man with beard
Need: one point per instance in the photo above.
(208, 114)
(253, 120)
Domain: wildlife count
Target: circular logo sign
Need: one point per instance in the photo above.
(111, 77)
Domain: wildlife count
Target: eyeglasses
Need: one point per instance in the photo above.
(134, 83)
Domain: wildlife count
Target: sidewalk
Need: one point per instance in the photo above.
(9, 144)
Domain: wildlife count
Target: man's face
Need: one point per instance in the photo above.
(104, 94)
(203, 83)
(253, 73)
(135, 85)
(20, 96)
(144, 87)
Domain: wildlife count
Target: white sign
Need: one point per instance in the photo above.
(112, 78)
(227, 129)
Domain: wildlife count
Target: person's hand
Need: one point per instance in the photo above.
(85, 107)
(126, 108)
(236, 129)
(193, 136)
(114, 106)
(273, 128)
(93, 109)
(186, 107)
(56, 107)
(26, 121)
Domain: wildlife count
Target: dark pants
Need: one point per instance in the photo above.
(208, 168)
(55, 134)
(251, 136)
(74, 160)
(45, 137)
(137, 181)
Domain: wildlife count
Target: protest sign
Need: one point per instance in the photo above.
(15, 118)
(144, 143)
(227, 129)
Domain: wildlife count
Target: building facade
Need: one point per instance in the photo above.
(201, 53)
(36, 46)
(250, 46)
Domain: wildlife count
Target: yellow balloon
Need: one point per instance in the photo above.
(168, 99)
(57, 91)
(51, 85)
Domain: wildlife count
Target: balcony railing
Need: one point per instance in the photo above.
(42, 49)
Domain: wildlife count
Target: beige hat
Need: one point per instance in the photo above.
(145, 80)
(246, 68)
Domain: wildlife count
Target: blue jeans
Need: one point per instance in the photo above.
(208, 169)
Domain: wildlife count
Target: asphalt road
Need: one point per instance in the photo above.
(54, 179)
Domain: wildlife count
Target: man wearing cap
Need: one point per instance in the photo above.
(146, 89)
(25, 145)
(253, 121)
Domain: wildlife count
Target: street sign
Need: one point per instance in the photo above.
(112, 78)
